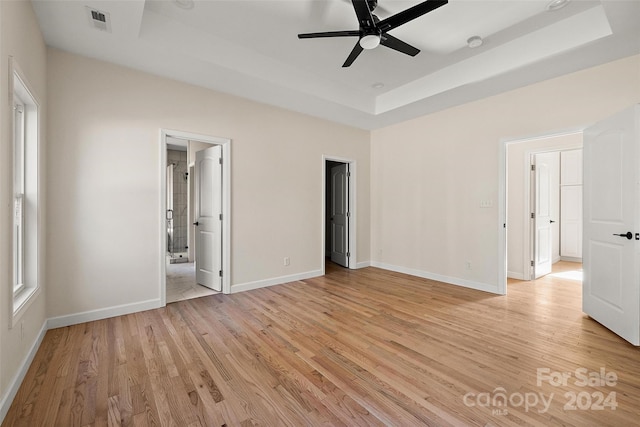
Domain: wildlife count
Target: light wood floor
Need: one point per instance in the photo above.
(365, 347)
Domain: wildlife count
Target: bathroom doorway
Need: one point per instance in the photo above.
(177, 201)
(181, 259)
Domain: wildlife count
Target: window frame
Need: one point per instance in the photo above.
(25, 137)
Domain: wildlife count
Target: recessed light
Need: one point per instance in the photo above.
(377, 85)
(184, 4)
(475, 41)
(554, 5)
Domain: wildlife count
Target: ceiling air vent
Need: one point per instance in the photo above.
(99, 20)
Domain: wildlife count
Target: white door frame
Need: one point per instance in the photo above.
(226, 204)
(502, 200)
(352, 209)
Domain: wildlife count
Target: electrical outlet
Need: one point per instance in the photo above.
(468, 265)
(287, 261)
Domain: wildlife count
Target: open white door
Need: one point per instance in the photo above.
(208, 221)
(610, 292)
(543, 241)
(339, 212)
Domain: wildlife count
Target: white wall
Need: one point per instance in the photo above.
(518, 238)
(430, 174)
(20, 38)
(100, 111)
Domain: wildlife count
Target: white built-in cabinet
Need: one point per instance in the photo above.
(571, 204)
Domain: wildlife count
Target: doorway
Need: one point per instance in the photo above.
(610, 212)
(339, 219)
(195, 181)
(523, 211)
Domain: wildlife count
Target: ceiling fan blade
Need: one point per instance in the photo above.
(357, 50)
(363, 13)
(397, 44)
(353, 33)
(410, 14)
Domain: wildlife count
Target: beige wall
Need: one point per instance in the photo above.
(20, 38)
(103, 200)
(430, 174)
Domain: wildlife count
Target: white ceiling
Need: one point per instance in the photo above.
(250, 48)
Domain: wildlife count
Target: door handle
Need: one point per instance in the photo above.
(196, 223)
(551, 221)
(628, 235)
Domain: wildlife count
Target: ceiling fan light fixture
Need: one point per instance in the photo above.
(370, 41)
(475, 41)
(554, 5)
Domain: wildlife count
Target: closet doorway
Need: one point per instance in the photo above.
(339, 207)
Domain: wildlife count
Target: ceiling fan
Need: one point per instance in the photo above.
(374, 32)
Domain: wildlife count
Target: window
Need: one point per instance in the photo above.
(25, 191)
(18, 190)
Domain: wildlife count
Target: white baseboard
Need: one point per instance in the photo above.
(15, 383)
(438, 277)
(274, 281)
(570, 259)
(363, 264)
(514, 275)
(102, 313)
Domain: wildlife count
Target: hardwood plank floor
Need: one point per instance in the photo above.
(365, 347)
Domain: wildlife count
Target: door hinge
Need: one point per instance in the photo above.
(220, 217)
(533, 264)
(220, 160)
(348, 174)
(348, 214)
(348, 254)
(533, 215)
(220, 273)
(533, 167)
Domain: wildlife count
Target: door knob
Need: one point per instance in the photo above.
(628, 235)
(196, 223)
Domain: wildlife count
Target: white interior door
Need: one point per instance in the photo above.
(339, 211)
(543, 202)
(208, 221)
(610, 292)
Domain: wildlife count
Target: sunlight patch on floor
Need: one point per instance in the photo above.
(570, 275)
